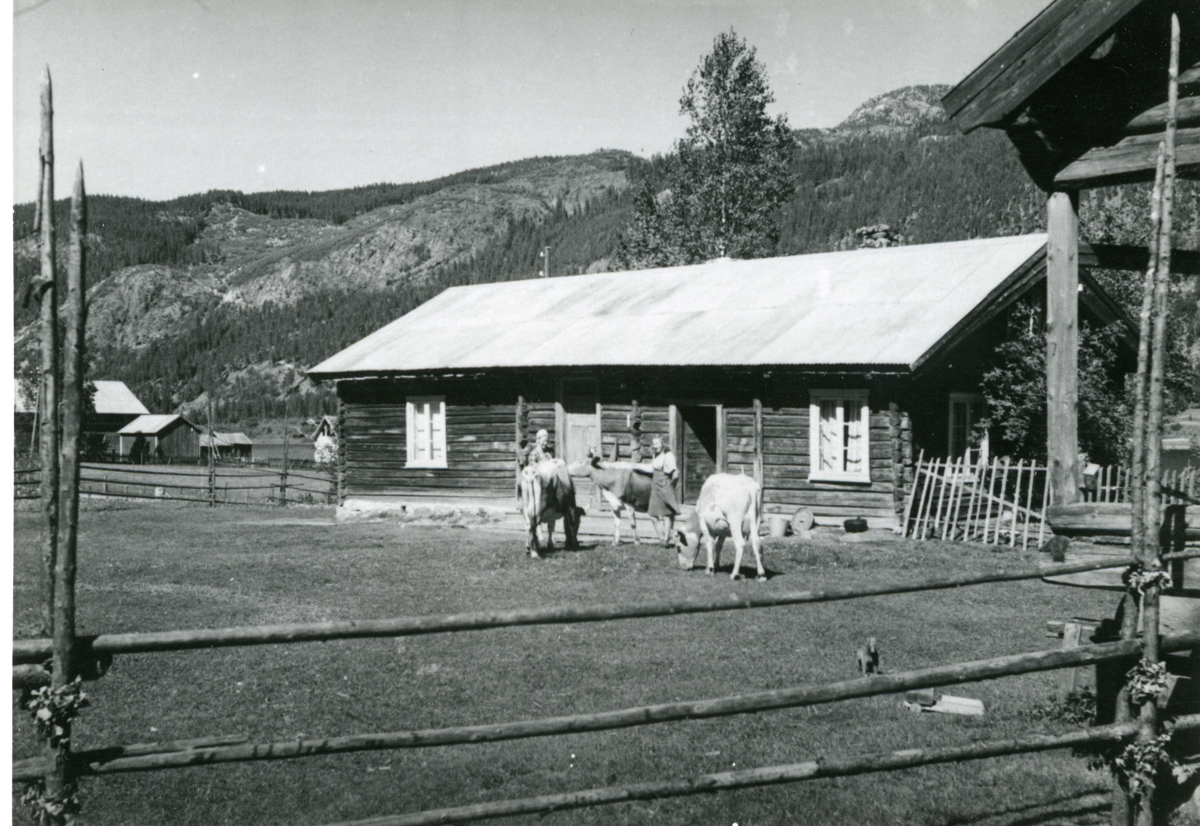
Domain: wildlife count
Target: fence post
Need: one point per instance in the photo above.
(212, 459)
(1012, 539)
(283, 475)
(341, 453)
(1029, 504)
(912, 494)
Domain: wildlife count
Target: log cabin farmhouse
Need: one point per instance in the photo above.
(819, 375)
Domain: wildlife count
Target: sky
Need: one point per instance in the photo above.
(160, 98)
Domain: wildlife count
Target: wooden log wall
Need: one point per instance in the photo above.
(181, 443)
(479, 453)
(739, 440)
(541, 417)
(620, 434)
(786, 486)
(490, 418)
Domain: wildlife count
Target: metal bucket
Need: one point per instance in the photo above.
(778, 525)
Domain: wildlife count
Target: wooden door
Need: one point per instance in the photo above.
(698, 448)
(581, 431)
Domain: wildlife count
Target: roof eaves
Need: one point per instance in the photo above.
(1004, 294)
(999, 87)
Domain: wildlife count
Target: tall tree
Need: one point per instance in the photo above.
(731, 174)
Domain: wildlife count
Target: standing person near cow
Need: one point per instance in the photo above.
(665, 473)
(538, 451)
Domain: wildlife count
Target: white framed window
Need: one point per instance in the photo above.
(839, 436)
(966, 409)
(425, 419)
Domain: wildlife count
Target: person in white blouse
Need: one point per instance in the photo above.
(664, 505)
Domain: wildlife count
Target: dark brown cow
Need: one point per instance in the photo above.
(625, 486)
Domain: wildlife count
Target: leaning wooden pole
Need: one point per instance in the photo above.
(1137, 482)
(1151, 552)
(48, 409)
(1122, 813)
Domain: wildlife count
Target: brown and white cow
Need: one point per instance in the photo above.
(728, 506)
(625, 486)
(547, 494)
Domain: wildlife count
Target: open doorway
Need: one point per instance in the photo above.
(699, 448)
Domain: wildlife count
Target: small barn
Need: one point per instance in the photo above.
(236, 447)
(159, 438)
(819, 375)
(116, 406)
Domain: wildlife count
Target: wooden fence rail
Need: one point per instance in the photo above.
(34, 651)
(771, 775)
(113, 759)
(155, 482)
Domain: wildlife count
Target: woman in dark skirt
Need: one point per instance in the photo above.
(663, 503)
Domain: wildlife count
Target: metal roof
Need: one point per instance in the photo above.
(152, 424)
(226, 439)
(114, 397)
(867, 307)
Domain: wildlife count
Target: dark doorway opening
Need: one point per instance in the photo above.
(697, 457)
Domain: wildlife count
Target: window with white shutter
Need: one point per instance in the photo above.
(426, 431)
(838, 437)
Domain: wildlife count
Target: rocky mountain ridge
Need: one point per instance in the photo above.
(252, 297)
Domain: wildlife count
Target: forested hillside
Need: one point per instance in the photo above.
(229, 296)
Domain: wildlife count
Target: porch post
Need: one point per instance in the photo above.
(1062, 345)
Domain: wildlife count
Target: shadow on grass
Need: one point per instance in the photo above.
(748, 571)
(1065, 809)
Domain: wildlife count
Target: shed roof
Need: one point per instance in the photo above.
(226, 439)
(114, 397)
(868, 308)
(152, 424)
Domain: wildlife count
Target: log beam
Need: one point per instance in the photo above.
(1062, 345)
(1131, 160)
(1154, 119)
(1134, 259)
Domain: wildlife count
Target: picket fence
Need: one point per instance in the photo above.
(1002, 501)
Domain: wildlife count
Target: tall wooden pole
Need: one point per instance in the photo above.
(1151, 551)
(1122, 812)
(48, 409)
(64, 593)
(58, 780)
(1137, 483)
(1062, 345)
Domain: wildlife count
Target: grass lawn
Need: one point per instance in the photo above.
(168, 566)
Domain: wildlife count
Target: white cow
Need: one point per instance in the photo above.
(547, 494)
(728, 506)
